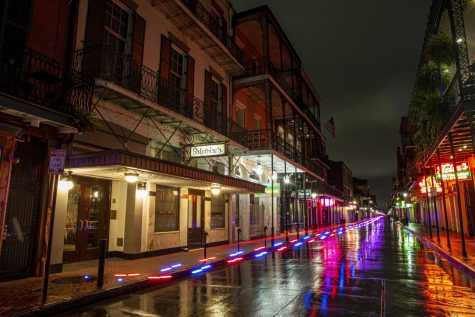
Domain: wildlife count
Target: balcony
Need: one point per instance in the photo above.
(266, 140)
(104, 63)
(39, 86)
(203, 27)
(263, 67)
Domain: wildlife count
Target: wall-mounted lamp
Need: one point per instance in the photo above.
(286, 179)
(215, 189)
(131, 177)
(141, 189)
(65, 184)
(314, 195)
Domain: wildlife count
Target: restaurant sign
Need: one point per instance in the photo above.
(447, 172)
(208, 150)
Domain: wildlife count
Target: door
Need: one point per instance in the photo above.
(23, 210)
(196, 218)
(87, 219)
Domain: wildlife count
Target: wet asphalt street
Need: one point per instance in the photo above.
(378, 270)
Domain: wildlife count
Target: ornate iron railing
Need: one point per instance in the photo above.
(267, 140)
(263, 66)
(106, 63)
(213, 24)
(36, 78)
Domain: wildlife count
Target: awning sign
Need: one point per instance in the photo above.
(447, 171)
(57, 159)
(207, 150)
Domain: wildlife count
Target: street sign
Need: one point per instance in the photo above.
(57, 159)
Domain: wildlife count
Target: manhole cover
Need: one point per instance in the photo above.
(74, 279)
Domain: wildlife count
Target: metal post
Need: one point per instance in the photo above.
(54, 184)
(272, 199)
(435, 204)
(296, 203)
(305, 207)
(265, 236)
(285, 205)
(459, 203)
(444, 202)
(205, 235)
(428, 203)
(102, 262)
(239, 238)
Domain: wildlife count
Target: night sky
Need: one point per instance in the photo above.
(362, 57)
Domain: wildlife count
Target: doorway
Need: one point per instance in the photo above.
(87, 219)
(196, 218)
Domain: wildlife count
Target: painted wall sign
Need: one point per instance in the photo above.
(207, 150)
(447, 172)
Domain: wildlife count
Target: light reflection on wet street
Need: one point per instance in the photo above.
(373, 271)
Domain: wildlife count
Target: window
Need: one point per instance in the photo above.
(215, 100)
(116, 32)
(257, 123)
(217, 212)
(241, 117)
(176, 75)
(15, 15)
(167, 207)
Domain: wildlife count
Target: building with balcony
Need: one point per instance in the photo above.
(42, 101)
(279, 109)
(446, 187)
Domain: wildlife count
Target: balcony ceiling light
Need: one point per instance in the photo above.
(131, 177)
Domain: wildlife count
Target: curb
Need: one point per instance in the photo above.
(452, 259)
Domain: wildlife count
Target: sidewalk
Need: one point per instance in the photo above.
(77, 281)
(454, 254)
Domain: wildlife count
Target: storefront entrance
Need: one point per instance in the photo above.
(87, 219)
(196, 218)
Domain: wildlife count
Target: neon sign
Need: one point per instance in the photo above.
(446, 172)
(423, 186)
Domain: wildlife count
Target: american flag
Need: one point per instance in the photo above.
(330, 125)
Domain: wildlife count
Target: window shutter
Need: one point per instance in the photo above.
(95, 22)
(224, 100)
(165, 57)
(138, 40)
(190, 81)
(208, 90)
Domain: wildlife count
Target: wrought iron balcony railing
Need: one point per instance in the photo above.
(263, 66)
(40, 80)
(213, 24)
(106, 63)
(267, 140)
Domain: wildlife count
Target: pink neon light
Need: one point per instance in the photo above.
(281, 249)
(207, 259)
(260, 248)
(160, 277)
(234, 260)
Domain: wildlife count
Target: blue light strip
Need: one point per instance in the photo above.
(297, 244)
(278, 244)
(236, 253)
(261, 254)
(306, 238)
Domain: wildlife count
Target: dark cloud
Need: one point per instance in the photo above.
(362, 58)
